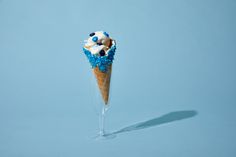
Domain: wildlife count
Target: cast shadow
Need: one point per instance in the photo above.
(167, 118)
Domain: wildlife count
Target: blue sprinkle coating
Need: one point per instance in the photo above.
(102, 62)
(95, 39)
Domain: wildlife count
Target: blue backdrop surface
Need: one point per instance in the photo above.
(173, 83)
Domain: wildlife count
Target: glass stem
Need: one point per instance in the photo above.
(102, 121)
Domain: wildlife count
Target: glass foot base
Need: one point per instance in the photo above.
(104, 136)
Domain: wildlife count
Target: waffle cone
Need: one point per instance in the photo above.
(103, 81)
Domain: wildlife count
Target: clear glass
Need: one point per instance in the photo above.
(100, 109)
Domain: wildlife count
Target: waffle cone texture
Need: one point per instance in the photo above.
(103, 82)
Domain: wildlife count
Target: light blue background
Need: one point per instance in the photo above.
(175, 57)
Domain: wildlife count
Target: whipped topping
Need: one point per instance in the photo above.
(98, 43)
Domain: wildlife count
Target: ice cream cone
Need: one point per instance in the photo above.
(100, 50)
(103, 81)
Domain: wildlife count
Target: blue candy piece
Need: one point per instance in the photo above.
(106, 34)
(91, 34)
(95, 39)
